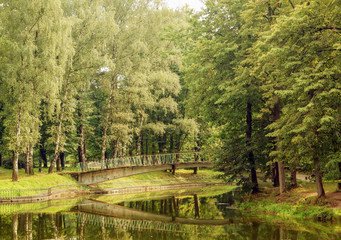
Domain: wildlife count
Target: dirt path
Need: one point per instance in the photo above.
(335, 199)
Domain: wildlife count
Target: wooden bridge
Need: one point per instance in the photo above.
(96, 172)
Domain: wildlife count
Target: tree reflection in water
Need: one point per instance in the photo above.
(167, 218)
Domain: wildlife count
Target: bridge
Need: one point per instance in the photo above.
(111, 215)
(96, 172)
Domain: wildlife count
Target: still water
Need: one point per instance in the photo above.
(185, 215)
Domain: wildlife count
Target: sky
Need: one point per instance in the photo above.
(195, 4)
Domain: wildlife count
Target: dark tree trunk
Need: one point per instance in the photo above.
(27, 161)
(42, 152)
(255, 230)
(196, 159)
(146, 152)
(58, 163)
(171, 145)
(249, 146)
(178, 148)
(82, 145)
(318, 174)
(0, 160)
(274, 173)
(293, 178)
(281, 172)
(196, 206)
(62, 160)
(139, 143)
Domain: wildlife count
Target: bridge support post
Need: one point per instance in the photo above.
(173, 169)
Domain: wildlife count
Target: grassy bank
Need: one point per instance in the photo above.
(299, 202)
(30, 185)
(36, 181)
(162, 177)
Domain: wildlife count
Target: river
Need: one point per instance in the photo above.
(185, 214)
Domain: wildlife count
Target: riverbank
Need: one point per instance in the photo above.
(300, 202)
(45, 187)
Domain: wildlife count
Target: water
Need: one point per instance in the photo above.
(179, 215)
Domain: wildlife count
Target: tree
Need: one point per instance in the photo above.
(32, 34)
(302, 50)
(93, 26)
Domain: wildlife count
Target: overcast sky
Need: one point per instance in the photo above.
(195, 4)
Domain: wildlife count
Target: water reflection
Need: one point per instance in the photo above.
(173, 217)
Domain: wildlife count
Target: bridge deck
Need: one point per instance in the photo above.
(102, 175)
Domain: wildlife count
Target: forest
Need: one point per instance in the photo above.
(254, 82)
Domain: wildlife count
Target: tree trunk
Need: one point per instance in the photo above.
(58, 163)
(16, 151)
(57, 141)
(138, 143)
(178, 148)
(146, 152)
(59, 128)
(42, 152)
(124, 150)
(82, 145)
(249, 146)
(0, 160)
(62, 160)
(171, 144)
(15, 226)
(15, 166)
(27, 160)
(274, 174)
(104, 140)
(281, 172)
(81, 133)
(196, 206)
(30, 162)
(293, 178)
(318, 174)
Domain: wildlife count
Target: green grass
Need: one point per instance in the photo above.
(37, 182)
(157, 178)
(301, 202)
(29, 185)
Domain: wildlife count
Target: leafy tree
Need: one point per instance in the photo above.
(32, 34)
(302, 50)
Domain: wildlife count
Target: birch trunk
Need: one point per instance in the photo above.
(59, 128)
(30, 162)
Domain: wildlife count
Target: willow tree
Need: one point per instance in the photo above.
(32, 34)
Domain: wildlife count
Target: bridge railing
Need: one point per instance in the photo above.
(145, 160)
